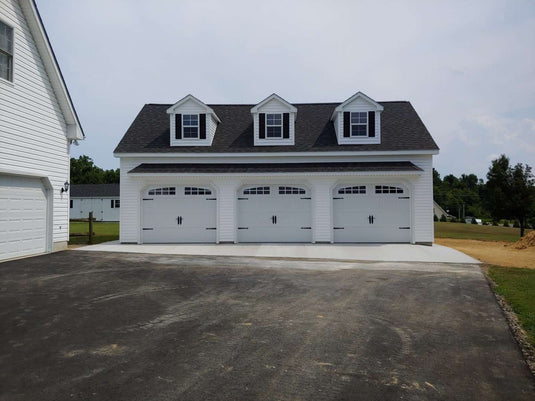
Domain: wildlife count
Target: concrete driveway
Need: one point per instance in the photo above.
(115, 326)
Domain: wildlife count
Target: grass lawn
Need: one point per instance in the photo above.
(104, 231)
(517, 286)
(474, 231)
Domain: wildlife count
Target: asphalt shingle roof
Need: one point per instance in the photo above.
(401, 129)
(229, 168)
(93, 190)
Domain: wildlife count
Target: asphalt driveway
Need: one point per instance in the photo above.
(111, 326)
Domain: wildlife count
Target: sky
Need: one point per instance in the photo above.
(467, 67)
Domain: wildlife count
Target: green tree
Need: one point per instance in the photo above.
(510, 191)
(84, 171)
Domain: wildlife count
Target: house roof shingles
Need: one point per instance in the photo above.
(94, 190)
(230, 168)
(401, 130)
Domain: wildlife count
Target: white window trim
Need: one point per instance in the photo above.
(12, 81)
(274, 125)
(358, 124)
(198, 127)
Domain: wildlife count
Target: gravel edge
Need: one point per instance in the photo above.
(520, 336)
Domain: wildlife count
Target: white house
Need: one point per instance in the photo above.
(354, 171)
(101, 199)
(38, 124)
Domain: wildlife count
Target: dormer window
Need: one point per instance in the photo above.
(191, 123)
(357, 121)
(359, 124)
(273, 125)
(274, 122)
(190, 126)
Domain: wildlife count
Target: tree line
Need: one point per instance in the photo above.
(508, 193)
(84, 171)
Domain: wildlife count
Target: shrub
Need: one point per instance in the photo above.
(474, 220)
(506, 223)
(516, 224)
(495, 223)
(443, 218)
(435, 218)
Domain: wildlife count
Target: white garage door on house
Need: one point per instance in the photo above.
(274, 213)
(179, 214)
(23, 211)
(371, 213)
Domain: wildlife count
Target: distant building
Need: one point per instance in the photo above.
(439, 212)
(101, 199)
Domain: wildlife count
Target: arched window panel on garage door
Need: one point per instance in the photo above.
(163, 191)
(386, 189)
(356, 189)
(256, 191)
(197, 191)
(291, 191)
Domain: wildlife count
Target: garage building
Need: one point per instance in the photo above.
(358, 171)
(38, 125)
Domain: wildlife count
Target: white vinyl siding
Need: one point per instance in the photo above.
(320, 185)
(33, 129)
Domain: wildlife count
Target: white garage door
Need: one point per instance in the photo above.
(179, 215)
(22, 217)
(275, 213)
(371, 213)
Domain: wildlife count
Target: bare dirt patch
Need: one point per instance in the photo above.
(493, 252)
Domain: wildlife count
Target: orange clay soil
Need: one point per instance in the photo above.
(493, 252)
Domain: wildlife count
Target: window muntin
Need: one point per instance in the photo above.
(6, 52)
(115, 203)
(274, 125)
(163, 191)
(358, 189)
(197, 191)
(291, 191)
(190, 126)
(359, 123)
(256, 191)
(385, 189)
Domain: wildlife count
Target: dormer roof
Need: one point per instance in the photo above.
(358, 95)
(291, 108)
(185, 99)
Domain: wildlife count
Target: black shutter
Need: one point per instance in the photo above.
(262, 125)
(347, 124)
(112, 204)
(178, 126)
(286, 125)
(202, 126)
(371, 124)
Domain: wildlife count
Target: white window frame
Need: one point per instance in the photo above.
(359, 124)
(274, 125)
(11, 78)
(198, 126)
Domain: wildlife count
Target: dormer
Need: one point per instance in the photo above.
(192, 123)
(358, 121)
(274, 122)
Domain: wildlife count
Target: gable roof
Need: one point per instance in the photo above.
(94, 190)
(257, 107)
(42, 42)
(356, 96)
(195, 100)
(401, 130)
